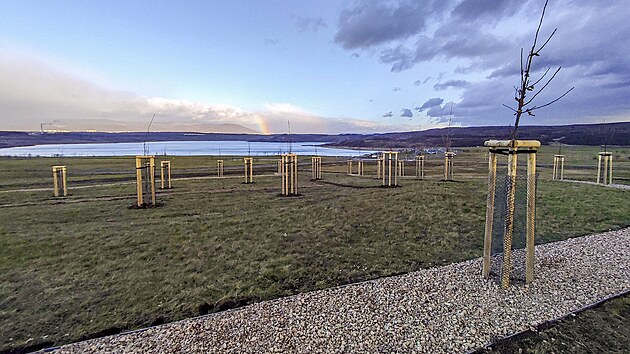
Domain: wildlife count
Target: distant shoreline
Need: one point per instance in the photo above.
(578, 134)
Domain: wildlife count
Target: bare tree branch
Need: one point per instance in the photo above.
(521, 67)
(542, 88)
(521, 93)
(542, 77)
(549, 103)
(547, 41)
(510, 108)
(542, 16)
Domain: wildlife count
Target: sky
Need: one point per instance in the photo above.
(309, 66)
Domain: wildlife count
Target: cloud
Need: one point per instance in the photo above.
(396, 89)
(271, 41)
(307, 24)
(471, 10)
(482, 40)
(388, 114)
(355, 55)
(418, 82)
(433, 102)
(456, 84)
(406, 112)
(371, 23)
(32, 92)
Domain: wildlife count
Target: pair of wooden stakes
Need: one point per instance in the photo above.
(288, 171)
(389, 168)
(604, 176)
(350, 168)
(248, 166)
(145, 179)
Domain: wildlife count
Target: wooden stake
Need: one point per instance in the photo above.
(248, 164)
(219, 168)
(599, 166)
(140, 200)
(487, 239)
(147, 163)
(531, 217)
(165, 174)
(509, 222)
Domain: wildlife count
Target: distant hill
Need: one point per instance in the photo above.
(12, 138)
(579, 134)
(159, 125)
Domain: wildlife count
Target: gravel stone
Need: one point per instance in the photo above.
(448, 309)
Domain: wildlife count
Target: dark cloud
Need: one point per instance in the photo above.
(406, 112)
(355, 55)
(438, 112)
(433, 102)
(388, 115)
(470, 10)
(456, 84)
(396, 89)
(485, 36)
(306, 24)
(371, 23)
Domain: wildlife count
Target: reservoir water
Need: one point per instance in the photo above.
(180, 148)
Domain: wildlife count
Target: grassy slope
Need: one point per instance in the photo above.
(600, 330)
(94, 267)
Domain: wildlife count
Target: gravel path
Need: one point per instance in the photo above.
(449, 309)
(618, 186)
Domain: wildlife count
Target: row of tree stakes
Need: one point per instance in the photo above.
(389, 169)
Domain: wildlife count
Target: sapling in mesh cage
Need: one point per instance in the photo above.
(511, 205)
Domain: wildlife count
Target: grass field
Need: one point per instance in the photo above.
(87, 265)
(603, 329)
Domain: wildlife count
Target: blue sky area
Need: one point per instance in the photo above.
(327, 66)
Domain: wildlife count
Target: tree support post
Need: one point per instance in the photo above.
(145, 184)
(511, 148)
(60, 187)
(219, 168)
(607, 176)
(248, 164)
(165, 174)
(420, 167)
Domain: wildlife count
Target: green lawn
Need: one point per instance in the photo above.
(89, 266)
(603, 329)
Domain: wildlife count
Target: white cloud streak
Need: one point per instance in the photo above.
(32, 92)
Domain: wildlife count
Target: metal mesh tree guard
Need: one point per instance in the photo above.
(503, 201)
(145, 180)
(60, 187)
(510, 215)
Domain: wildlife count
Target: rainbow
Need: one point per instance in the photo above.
(262, 125)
